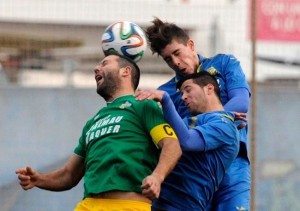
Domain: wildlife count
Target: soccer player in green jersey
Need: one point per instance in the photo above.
(125, 151)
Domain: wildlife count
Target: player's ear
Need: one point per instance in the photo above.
(191, 44)
(210, 89)
(125, 71)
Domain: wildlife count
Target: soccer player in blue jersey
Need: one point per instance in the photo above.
(174, 45)
(209, 147)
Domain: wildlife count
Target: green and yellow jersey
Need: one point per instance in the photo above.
(119, 145)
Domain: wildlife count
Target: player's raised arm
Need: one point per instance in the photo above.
(186, 137)
(61, 179)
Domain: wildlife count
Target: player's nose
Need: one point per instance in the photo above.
(176, 61)
(97, 69)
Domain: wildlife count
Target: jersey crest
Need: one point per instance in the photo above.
(125, 105)
(212, 71)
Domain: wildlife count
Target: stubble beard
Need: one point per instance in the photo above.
(109, 87)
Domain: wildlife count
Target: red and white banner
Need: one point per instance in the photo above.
(278, 20)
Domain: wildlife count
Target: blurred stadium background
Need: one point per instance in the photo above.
(47, 91)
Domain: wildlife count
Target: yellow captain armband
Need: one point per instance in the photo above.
(162, 131)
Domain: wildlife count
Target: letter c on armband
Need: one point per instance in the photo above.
(168, 130)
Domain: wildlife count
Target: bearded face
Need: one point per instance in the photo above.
(107, 84)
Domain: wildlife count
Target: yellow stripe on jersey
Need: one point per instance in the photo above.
(199, 68)
(229, 117)
(193, 122)
(162, 131)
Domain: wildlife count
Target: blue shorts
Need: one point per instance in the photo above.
(234, 190)
(164, 208)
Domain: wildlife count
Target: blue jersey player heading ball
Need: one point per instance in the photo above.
(177, 49)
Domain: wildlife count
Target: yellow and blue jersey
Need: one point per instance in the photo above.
(198, 174)
(235, 187)
(229, 75)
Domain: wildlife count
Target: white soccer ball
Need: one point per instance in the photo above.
(126, 38)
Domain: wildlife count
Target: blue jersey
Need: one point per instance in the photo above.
(197, 175)
(229, 74)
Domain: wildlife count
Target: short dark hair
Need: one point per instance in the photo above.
(124, 61)
(202, 79)
(160, 34)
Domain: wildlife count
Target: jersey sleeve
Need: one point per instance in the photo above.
(237, 94)
(234, 75)
(80, 149)
(190, 139)
(217, 132)
(155, 123)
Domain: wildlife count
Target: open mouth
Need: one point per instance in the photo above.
(186, 104)
(98, 78)
(183, 71)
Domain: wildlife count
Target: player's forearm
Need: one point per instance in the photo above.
(169, 156)
(58, 180)
(238, 100)
(190, 140)
(173, 118)
(64, 178)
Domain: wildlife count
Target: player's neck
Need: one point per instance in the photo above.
(120, 93)
(215, 105)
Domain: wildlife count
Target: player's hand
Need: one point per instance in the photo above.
(151, 186)
(241, 118)
(149, 95)
(27, 177)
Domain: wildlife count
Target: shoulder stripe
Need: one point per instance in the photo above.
(228, 117)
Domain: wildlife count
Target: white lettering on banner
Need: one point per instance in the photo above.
(286, 24)
(273, 8)
(278, 20)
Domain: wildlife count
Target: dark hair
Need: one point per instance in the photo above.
(202, 79)
(160, 34)
(124, 61)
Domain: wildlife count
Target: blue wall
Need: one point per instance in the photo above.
(40, 128)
